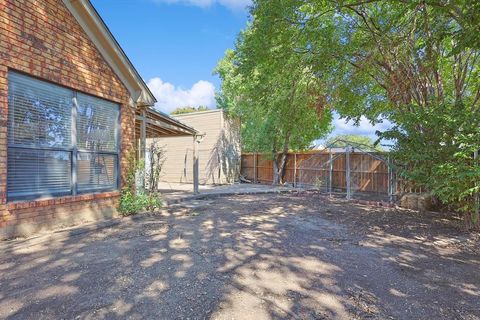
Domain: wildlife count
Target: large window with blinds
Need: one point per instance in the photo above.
(60, 142)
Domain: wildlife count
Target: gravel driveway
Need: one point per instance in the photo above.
(297, 256)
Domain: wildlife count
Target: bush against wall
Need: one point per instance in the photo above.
(133, 201)
(156, 156)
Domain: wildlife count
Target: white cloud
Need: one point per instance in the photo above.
(341, 126)
(234, 5)
(170, 97)
(364, 128)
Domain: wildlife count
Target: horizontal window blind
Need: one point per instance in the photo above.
(96, 171)
(42, 144)
(38, 173)
(39, 113)
(97, 122)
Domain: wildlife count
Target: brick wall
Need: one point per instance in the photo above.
(41, 38)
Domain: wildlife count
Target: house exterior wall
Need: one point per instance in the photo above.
(219, 151)
(42, 39)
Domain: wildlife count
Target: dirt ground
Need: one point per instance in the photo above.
(296, 256)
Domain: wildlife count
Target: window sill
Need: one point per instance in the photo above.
(25, 204)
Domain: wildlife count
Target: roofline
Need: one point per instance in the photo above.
(122, 51)
(166, 117)
(95, 27)
(195, 113)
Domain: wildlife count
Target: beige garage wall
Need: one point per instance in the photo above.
(219, 151)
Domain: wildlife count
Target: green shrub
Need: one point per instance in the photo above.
(128, 203)
(152, 201)
(435, 149)
(132, 202)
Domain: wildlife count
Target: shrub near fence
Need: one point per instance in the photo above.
(368, 171)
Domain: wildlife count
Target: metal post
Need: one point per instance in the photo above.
(390, 182)
(143, 135)
(195, 164)
(477, 194)
(395, 185)
(143, 147)
(347, 171)
(295, 169)
(330, 173)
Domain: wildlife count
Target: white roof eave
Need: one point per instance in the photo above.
(98, 32)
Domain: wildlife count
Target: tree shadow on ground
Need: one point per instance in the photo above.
(270, 256)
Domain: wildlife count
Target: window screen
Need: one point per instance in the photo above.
(44, 153)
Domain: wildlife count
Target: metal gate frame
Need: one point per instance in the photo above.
(349, 149)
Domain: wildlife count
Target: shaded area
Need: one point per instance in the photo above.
(253, 256)
(181, 192)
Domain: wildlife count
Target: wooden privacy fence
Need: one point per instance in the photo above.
(333, 171)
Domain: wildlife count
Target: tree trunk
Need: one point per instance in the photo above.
(279, 166)
(282, 166)
(276, 176)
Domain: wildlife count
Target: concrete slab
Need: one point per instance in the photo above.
(174, 193)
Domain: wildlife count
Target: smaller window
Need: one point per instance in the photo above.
(96, 171)
(97, 122)
(39, 113)
(38, 173)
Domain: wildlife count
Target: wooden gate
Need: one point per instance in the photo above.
(343, 171)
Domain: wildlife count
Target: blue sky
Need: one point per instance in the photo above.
(175, 44)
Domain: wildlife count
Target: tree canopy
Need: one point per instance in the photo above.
(278, 99)
(415, 63)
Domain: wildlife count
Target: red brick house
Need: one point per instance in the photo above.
(72, 107)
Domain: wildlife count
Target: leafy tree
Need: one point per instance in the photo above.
(435, 147)
(188, 109)
(415, 63)
(277, 98)
(343, 140)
